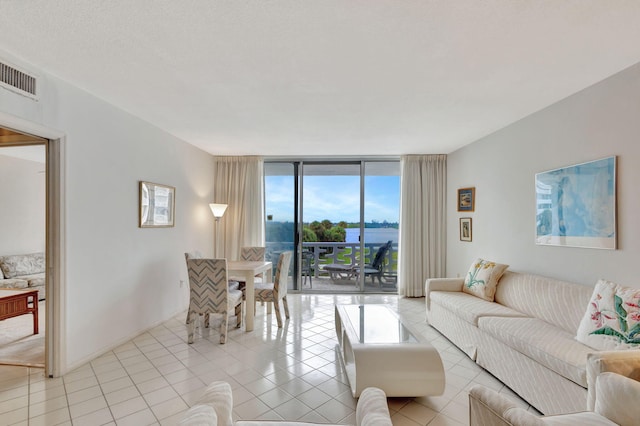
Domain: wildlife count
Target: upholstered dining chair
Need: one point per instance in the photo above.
(250, 254)
(234, 284)
(210, 294)
(277, 290)
(254, 254)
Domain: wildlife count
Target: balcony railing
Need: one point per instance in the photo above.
(325, 253)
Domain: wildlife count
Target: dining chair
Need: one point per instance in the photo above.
(254, 254)
(250, 254)
(277, 290)
(234, 284)
(210, 294)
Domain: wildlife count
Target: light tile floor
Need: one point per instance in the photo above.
(291, 373)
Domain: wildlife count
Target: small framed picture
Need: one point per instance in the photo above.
(466, 199)
(465, 229)
(157, 205)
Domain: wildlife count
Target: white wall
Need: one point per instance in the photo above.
(120, 279)
(600, 121)
(22, 197)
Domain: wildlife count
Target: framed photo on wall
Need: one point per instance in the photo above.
(157, 205)
(465, 229)
(466, 199)
(576, 205)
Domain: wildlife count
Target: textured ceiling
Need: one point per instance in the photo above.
(326, 77)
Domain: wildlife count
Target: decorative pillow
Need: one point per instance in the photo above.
(612, 319)
(482, 278)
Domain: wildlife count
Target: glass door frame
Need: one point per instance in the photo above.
(298, 207)
(299, 220)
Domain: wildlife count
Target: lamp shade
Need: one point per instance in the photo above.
(218, 209)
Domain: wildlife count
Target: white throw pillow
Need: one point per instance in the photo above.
(482, 278)
(612, 318)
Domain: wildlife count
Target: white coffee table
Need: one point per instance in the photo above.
(378, 350)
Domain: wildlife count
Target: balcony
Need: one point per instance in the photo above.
(315, 278)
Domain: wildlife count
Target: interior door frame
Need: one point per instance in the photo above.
(55, 336)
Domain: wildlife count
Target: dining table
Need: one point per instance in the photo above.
(248, 270)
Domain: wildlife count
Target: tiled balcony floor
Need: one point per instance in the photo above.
(324, 283)
(291, 373)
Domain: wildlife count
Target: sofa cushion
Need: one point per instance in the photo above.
(14, 283)
(482, 278)
(521, 417)
(470, 308)
(557, 302)
(612, 318)
(546, 344)
(34, 280)
(16, 265)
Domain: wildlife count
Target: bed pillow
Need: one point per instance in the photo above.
(612, 318)
(482, 278)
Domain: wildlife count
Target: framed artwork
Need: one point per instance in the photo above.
(466, 199)
(576, 205)
(465, 229)
(157, 205)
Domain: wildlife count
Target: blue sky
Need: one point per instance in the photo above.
(335, 198)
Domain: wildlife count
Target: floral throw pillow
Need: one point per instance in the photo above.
(612, 319)
(482, 278)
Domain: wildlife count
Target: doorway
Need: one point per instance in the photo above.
(341, 218)
(22, 248)
(27, 148)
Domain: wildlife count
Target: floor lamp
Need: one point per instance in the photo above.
(218, 211)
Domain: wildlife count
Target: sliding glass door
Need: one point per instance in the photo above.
(341, 220)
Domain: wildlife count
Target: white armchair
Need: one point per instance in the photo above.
(215, 408)
(614, 393)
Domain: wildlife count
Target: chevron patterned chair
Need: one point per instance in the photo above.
(250, 254)
(277, 290)
(210, 294)
(254, 254)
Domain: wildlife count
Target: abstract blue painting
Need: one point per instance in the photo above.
(576, 205)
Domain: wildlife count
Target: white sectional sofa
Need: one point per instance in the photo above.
(23, 271)
(526, 337)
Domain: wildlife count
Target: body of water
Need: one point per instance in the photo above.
(372, 235)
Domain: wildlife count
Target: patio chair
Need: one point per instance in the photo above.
(375, 268)
(307, 257)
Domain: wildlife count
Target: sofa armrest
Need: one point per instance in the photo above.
(372, 408)
(441, 284)
(623, 362)
(218, 395)
(488, 407)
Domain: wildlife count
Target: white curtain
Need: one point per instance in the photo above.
(239, 184)
(422, 222)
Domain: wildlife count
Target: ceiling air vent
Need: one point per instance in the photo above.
(17, 81)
